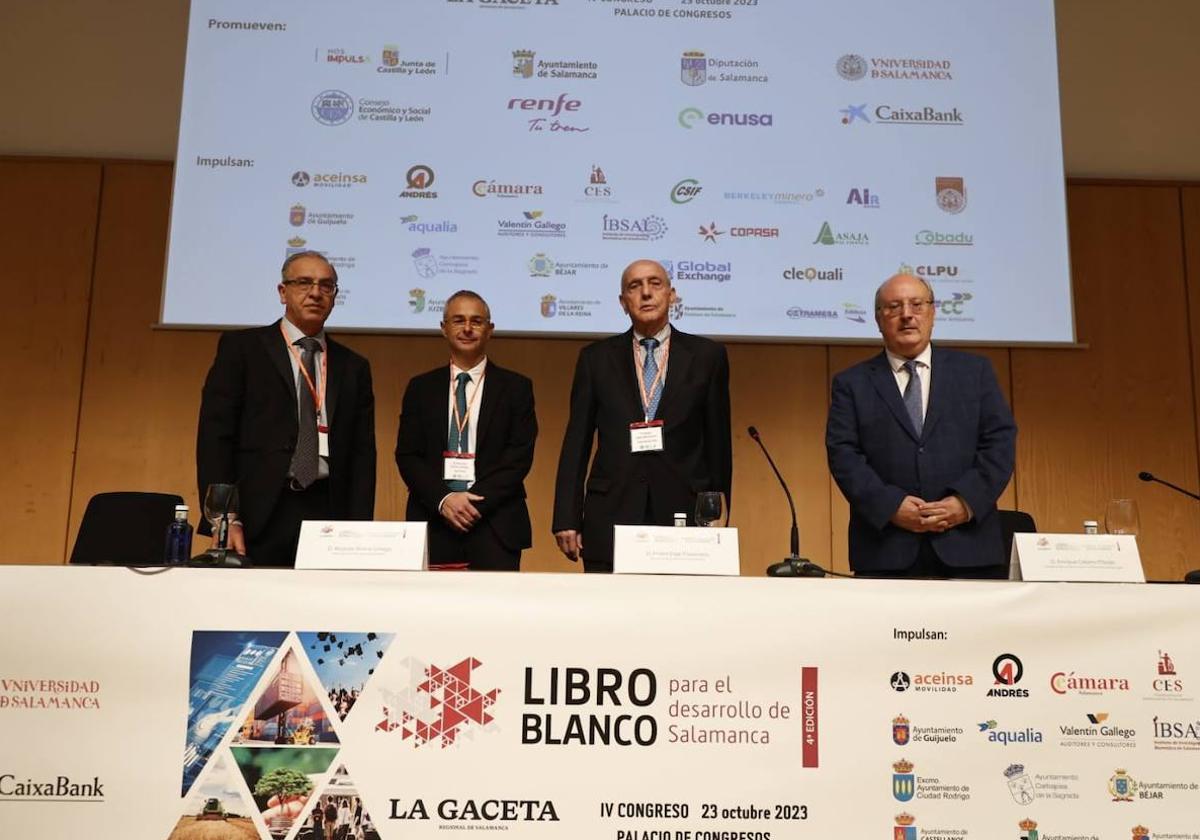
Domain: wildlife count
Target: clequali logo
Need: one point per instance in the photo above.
(1007, 671)
(811, 274)
(691, 117)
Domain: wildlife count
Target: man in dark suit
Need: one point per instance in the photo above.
(288, 415)
(657, 401)
(465, 446)
(921, 443)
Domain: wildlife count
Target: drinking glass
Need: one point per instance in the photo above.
(710, 505)
(1121, 517)
(220, 508)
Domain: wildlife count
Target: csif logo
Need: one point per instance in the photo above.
(690, 117)
(685, 190)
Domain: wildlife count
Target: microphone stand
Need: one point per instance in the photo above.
(1194, 575)
(793, 565)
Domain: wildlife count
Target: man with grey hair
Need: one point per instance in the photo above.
(922, 444)
(288, 415)
(656, 401)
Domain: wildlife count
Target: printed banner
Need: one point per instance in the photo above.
(279, 705)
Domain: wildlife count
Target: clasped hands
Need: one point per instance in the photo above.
(917, 515)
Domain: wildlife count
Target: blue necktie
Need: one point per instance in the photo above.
(649, 375)
(304, 467)
(459, 442)
(912, 397)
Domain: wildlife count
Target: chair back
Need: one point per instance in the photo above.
(1014, 522)
(124, 529)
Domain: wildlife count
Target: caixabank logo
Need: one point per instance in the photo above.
(263, 744)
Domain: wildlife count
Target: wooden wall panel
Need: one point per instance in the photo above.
(47, 234)
(1091, 419)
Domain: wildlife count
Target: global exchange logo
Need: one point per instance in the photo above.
(332, 107)
(459, 705)
(688, 118)
(685, 191)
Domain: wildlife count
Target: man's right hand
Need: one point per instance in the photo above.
(237, 538)
(459, 512)
(570, 543)
(908, 515)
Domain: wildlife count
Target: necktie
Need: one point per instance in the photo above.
(459, 442)
(912, 397)
(304, 459)
(649, 375)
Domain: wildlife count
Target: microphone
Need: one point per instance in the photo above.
(1146, 476)
(1194, 575)
(793, 565)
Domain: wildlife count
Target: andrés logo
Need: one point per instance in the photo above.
(1007, 671)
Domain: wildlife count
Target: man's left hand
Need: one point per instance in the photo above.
(943, 514)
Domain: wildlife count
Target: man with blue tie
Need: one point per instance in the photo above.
(656, 401)
(465, 445)
(922, 444)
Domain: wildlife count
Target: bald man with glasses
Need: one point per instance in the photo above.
(288, 415)
(921, 443)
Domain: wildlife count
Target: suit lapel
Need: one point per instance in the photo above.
(884, 382)
(621, 359)
(493, 387)
(335, 367)
(276, 347)
(939, 391)
(679, 363)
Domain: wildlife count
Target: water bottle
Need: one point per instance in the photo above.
(179, 538)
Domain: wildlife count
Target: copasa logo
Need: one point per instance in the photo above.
(690, 117)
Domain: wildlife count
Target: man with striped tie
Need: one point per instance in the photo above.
(656, 400)
(465, 445)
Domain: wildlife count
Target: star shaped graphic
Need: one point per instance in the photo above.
(854, 112)
(710, 233)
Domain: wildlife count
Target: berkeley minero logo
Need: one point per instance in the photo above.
(1007, 671)
(691, 117)
(332, 107)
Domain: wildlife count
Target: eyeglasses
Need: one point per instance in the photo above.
(305, 284)
(895, 308)
(460, 321)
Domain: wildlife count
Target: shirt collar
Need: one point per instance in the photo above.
(661, 335)
(474, 372)
(923, 358)
(294, 333)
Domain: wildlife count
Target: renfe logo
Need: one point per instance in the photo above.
(554, 106)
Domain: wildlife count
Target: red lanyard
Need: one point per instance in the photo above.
(639, 365)
(318, 398)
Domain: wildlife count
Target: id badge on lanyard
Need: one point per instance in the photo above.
(458, 466)
(646, 436)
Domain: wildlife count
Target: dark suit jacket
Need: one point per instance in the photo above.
(966, 448)
(249, 423)
(503, 444)
(605, 399)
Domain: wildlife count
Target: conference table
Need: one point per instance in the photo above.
(181, 703)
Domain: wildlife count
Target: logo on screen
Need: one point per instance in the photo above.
(549, 306)
(523, 63)
(693, 69)
(419, 179)
(709, 232)
(852, 113)
(689, 117)
(685, 191)
(826, 236)
(297, 215)
(851, 67)
(332, 107)
(541, 265)
(391, 55)
(951, 194)
(863, 198)
(643, 229)
(300, 178)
